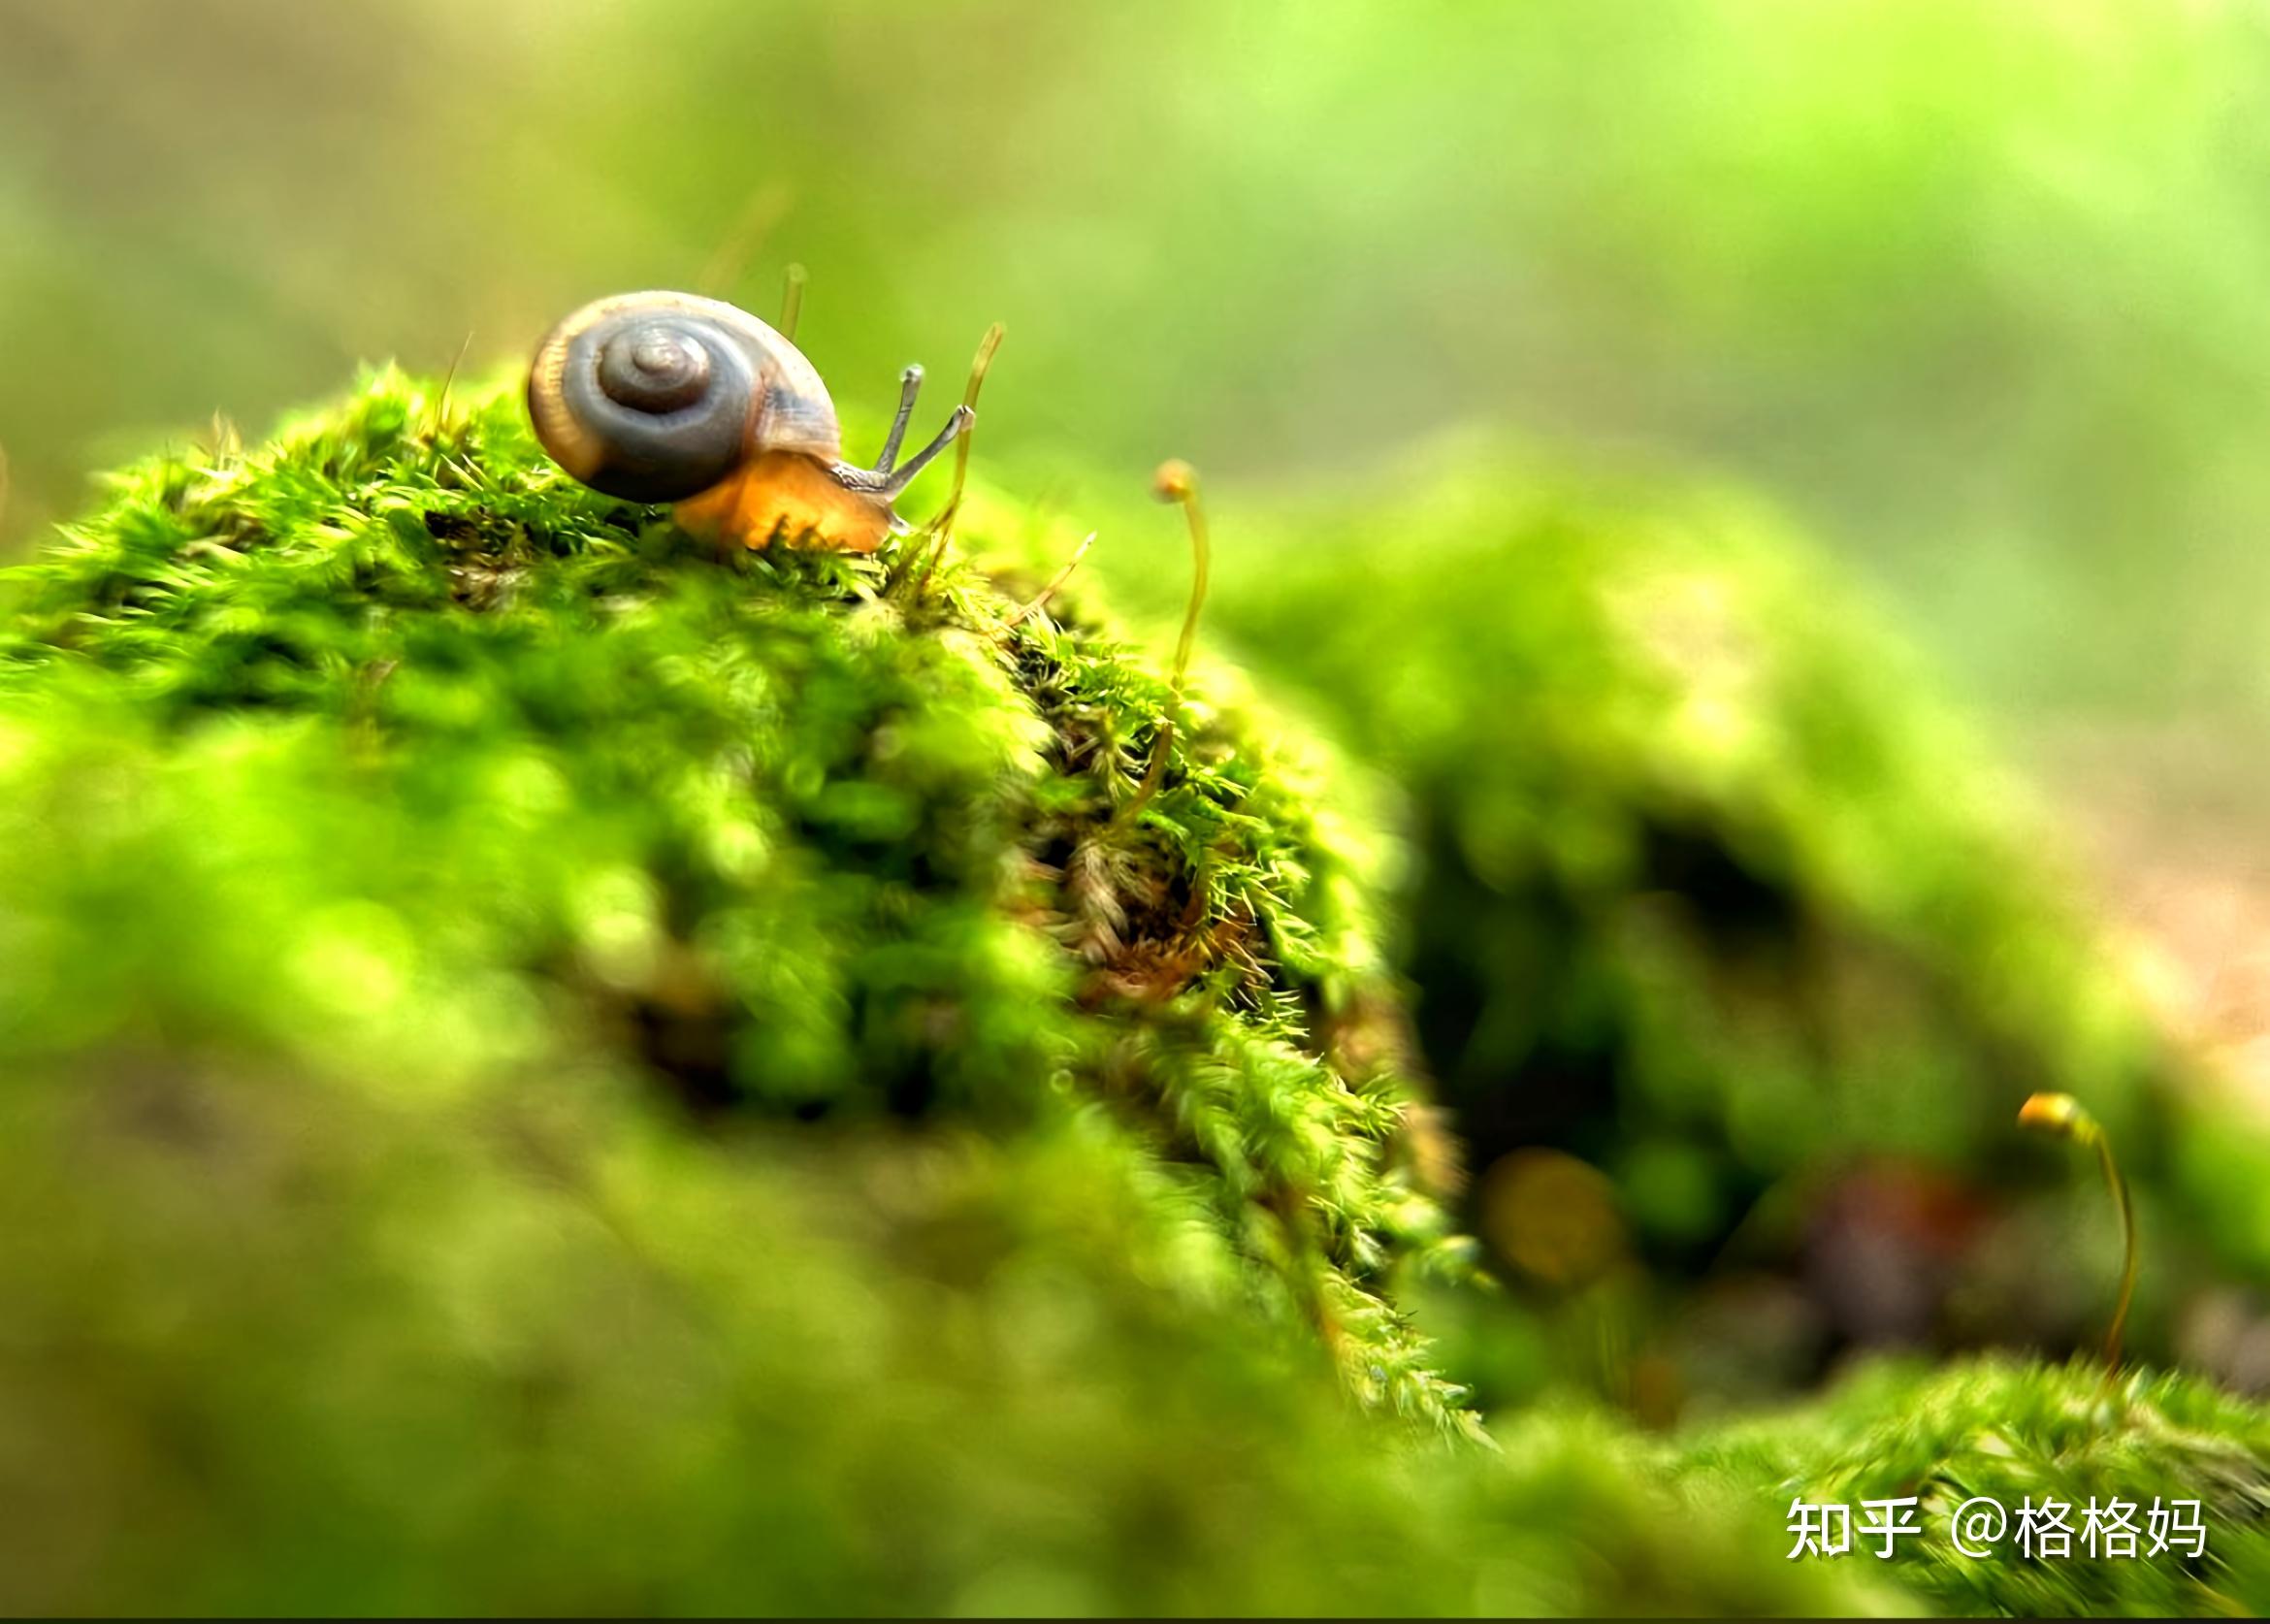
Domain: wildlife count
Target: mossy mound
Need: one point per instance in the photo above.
(542, 1069)
(803, 840)
(2029, 1436)
(1717, 894)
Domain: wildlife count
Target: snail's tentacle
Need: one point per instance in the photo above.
(909, 384)
(904, 475)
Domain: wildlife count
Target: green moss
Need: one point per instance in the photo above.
(542, 1069)
(1715, 891)
(545, 1069)
(812, 846)
(2025, 1435)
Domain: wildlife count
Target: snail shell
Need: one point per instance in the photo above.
(659, 397)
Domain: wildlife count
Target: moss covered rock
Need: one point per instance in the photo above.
(544, 1068)
(799, 839)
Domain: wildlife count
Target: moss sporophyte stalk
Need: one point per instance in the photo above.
(2065, 1116)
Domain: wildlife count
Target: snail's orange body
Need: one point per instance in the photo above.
(789, 498)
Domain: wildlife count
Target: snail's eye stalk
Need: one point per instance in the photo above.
(957, 427)
(909, 384)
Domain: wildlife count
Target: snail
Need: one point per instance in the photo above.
(670, 397)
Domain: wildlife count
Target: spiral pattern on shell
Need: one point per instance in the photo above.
(653, 397)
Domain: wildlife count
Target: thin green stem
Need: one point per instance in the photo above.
(1018, 616)
(943, 525)
(1176, 482)
(2064, 1115)
(791, 300)
(2119, 1190)
(1201, 567)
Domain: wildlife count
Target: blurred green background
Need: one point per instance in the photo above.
(1974, 286)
